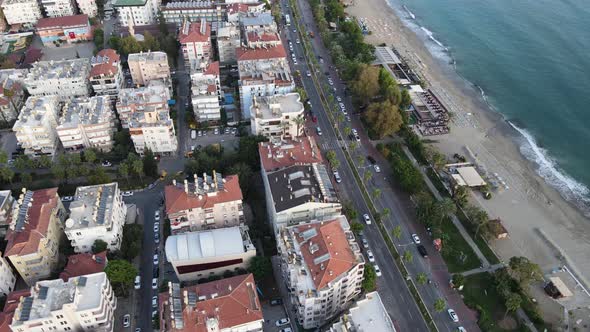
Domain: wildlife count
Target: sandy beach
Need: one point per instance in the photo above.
(542, 225)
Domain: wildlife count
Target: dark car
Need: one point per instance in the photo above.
(276, 302)
(371, 160)
(422, 251)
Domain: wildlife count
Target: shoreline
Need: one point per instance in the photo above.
(531, 204)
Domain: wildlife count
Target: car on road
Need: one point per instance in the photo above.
(371, 160)
(453, 315)
(156, 259)
(216, 131)
(348, 119)
(367, 218)
(377, 270)
(156, 238)
(67, 199)
(137, 329)
(377, 168)
(106, 163)
(422, 251)
(127, 193)
(308, 74)
(286, 329)
(157, 215)
(127, 320)
(200, 133)
(276, 301)
(193, 134)
(154, 301)
(137, 282)
(330, 81)
(370, 256)
(365, 243)
(338, 98)
(337, 177)
(461, 329)
(416, 238)
(282, 321)
(298, 41)
(156, 227)
(154, 283)
(319, 131)
(295, 30)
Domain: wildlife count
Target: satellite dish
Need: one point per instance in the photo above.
(70, 223)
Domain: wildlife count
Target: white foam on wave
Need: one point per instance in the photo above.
(412, 16)
(431, 37)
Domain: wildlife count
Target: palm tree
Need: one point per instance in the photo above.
(347, 131)
(299, 122)
(285, 127)
(446, 208)
(480, 218)
(513, 302)
(397, 232)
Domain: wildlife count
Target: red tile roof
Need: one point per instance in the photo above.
(108, 67)
(253, 36)
(212, 69)
(12, 301)
(244, 53)
(178, 200)
(289, 153)
(236, 304)
(237, 8)
(194, 34)
(331, 240)
(27, 241)
(62, 22)
(81, 264)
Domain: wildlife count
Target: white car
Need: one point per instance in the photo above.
(106, 163)
(67, 199)
(127, 193)
(154, 301)
(319, 131)
(377, 168)
(282, 321)
(295, 30)
(367, 218)
(461, 329)
(308, 73)
(337, 177)
(127, 320)
(365, 243)
(157, 215)
(298, 41)
(137, 282)
(416, 238)
(377, 270)
(338, 98)
(286, 329)
(154, 283)
(453, 315)
(156, 260)
(370, 256)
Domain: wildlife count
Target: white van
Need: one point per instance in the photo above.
(193, 134)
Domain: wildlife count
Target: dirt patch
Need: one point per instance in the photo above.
(508, 324)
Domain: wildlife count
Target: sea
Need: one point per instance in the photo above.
(530, 60)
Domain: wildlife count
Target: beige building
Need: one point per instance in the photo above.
(97, 213)
(154, 130)
(206, 203)
(7, 277)
(34, 234)
(35, 128)
(106, 76)
(88, 7)
(228, 40)
(149, 66)
(85, 303)
(205, 97)
(197, 255)
(323, 269)
(87, 123)
(65, 78)
(59, 8)
(367, 314)
(277, 117)
(26, 12)
(152, 98)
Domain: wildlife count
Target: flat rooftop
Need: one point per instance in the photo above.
(86, 111)
(211, 243)
(258, 19)
(271, 107)
(290, 152)
(385, 55)
(36, 111)
(92, 206)
(152, 94)
(148, 56)
(64, 69)
(368, 314)
(151, 116)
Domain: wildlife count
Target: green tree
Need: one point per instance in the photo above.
(115, 43)
(408, 175)
(458, 280)
(479, 218)
(244, 173)
(384, 118)
(90, 156)
(3, 157)
(460, 195)
(376, 193)
(22, 163)
(524, 271)
(131, 244)
(43, 162)
(369, 279)
(366, 86)
(421, 278)
(99, 176)
(150, 164)
(137, 167)
(435, 158)
(124, 171)
(349, 210)
(26, 179)
(356, 227)
(162, 24)
(260, 267)
(408, 256)
(446, 207)
(58, 172)
(6, 174)
(98, 38)
(299, 122)
(99, 246)
(513, 302)
(150, 43)
(406, 100)
(347, 131)
(121, 274)
(439, 305)
(367, 176)
(385, 212)
(397, 232)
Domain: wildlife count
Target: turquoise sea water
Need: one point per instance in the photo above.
(532, 60)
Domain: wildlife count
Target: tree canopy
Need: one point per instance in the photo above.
(260, 267)
(121, 274)
(383, 118)
(99, 246)
(369, 279)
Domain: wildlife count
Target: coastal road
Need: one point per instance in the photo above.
(397, 202)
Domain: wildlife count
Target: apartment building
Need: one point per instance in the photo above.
(106, 76)
(368, 314)
(12, 98)
(85, 303)
(65, 78)
(208, 202)
(226, 305)
(236, 11)
(277, 117)
(58, 8)
(87, 123)
(152, 98)
(6, 202)
(149, 66)
(25, 12)
(67, 29)
(195, 42)
(228, 40)
(197, 255)
(35, 128)
(193, 11)
(34, 234)
(82, 264)
(263, 72)
(7, 277)
(12, 301)
(262, 39)
(323, 269)
(258, 22)
(137, 12)
(97, 213)
(205, 96)
(88, 7)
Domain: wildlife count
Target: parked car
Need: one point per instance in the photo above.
(461, 329)
(137, 282)
(67, 199)
(106, 163)
(308, 73)
(367, 218)
(377, 270)
(422, 251)
(370, 256)
(371, 160)
(276, 301)
(416, 238)
(319, 131)
(193, 134)
(377, 168)
(154, 301)
(282, 321)
(156, 259)
(453, 315)
(154, 283)
(157, 215)
(337, 177)
(365, 243)
(127, 320)
(127, 193)
(156, 227)
(338, 98)
(286, 329)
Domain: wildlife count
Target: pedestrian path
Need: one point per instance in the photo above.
(490, 268)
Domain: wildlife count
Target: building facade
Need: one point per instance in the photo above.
(7, 277)
(85, 303)
(58, 8)
(208, 202)
(12, 99)
(323, 268)
(87, 123)
(150, 98)
(226, 305)
(149, 66)
(205, 96)
(87, 7)
(34, 234)
(277, 117)
(68, 29)
(6, 202)
(106, 76)
(195, 42)
(194, 11)
(25, 12)
(197, 255)
(368, 314)
(97, 213)
(228, 40)
(35, 128)
(137, 12)
(65, 78)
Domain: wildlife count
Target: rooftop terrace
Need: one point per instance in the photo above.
(270, 107)
(92, 206)
(86, 111)
(52, 70)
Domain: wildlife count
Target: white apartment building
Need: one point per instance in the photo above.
(368, 314)
(97, 213)
(12, 98)
(59, 8)
(226, 305)
(258, 22)
(197, 255)
(7, 277)
(236, 11)
(87, 123)
(35, 128)
(195, 42)
(149, 66)
(137, 12)
(263, 72)
(228, 40)
(26, 12)
(85, 303)
(6, 202)
(154, 130)
(208, 202)
(323, 269)
(194, 11)
(153, 97)
(106, 76)
(205, 97)
(277, 117)
(65, 78)
(88, 7)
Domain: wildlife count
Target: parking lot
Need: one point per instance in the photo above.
(227, 139)
(272, 313)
